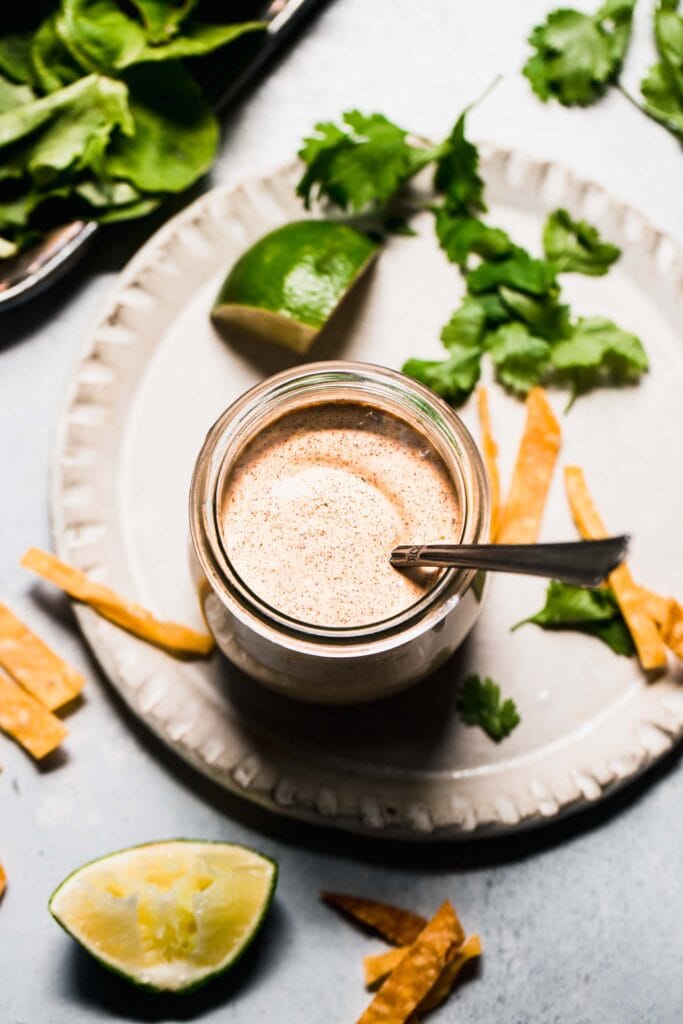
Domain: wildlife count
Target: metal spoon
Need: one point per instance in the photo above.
(584, 563)
(44, 263)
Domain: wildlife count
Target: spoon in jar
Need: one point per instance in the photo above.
(584, 563)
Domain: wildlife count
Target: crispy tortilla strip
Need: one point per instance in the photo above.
(392, 923)
(376, 967)
(26, 720)
(470, 948)
(3, 881)
(649, 644)
(672, 629)
(417, 972)
(657, 607)
(490, 450)
(520, 519)
(34, 665)
(172, 637)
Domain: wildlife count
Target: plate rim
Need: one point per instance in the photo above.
(259, 776)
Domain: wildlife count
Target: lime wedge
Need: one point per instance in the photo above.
(167, 916)
(287, 286)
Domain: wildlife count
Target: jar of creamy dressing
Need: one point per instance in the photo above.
(301, 490)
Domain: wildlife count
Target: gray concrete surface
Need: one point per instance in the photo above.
(581, 921)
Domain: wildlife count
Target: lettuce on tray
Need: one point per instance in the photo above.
(99, 118)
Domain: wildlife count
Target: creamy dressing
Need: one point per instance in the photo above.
(315, 503)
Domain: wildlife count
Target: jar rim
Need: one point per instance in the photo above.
(317, 383)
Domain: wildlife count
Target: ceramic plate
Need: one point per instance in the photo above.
(155, 375)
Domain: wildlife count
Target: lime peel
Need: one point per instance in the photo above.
(168, 916)
(285, 288)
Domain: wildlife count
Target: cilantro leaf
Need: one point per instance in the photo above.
(461, 235)
(663, 86)
(598, 351)
(466, 327)
(578, 55)
(544, 315)
(518, 356)
(457, 172)
(359, 164)
(575, 245)
(480, 704)
(586, 610)
(453, 378)
(519, 270)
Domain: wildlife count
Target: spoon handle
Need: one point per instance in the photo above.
(584, 563)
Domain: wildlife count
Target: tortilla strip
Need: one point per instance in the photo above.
(401, 927)
(34, 665)
(3, 881)
(672, 629)
(649, 644)
(470, 948)
(377, 966)
(26, 720)
(490, 451)
(418, 971)
(521, 516)
(656, 606)
(172, 637)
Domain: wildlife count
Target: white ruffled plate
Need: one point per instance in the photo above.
(155, 374)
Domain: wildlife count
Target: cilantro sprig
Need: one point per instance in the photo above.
(360, 163)
(480, 703)
(587, 610)
(578, 55)
(663, 86)
(513, 309)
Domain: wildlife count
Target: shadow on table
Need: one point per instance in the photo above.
(459, 854)
(92, 984)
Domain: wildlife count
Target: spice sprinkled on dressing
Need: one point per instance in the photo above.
(315, 503)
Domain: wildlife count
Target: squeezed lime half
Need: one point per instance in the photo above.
(287, 286)
(168, 916)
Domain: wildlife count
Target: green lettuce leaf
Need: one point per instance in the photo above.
(13, 95)
(102, 37)
(53, 65)
(163, 18)
(68, 129)
(174, 136)
(15, 58)
(576, 246)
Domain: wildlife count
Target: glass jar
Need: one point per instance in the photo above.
(324, 664)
